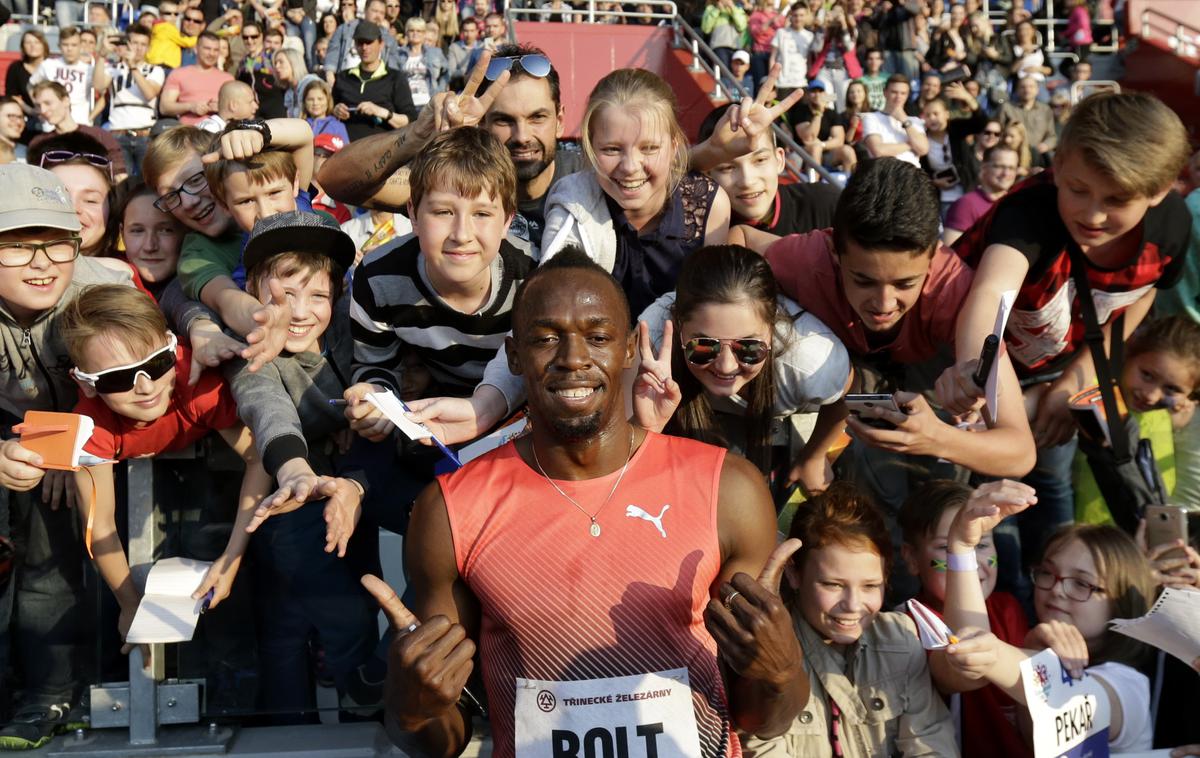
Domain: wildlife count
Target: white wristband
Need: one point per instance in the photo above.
(962, 561)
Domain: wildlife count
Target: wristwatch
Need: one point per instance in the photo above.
(906, 123)
(254, 125)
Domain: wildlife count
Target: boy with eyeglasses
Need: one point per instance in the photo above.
(130, 369)
(40, 272)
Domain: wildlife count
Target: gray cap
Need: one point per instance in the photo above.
(298, 232)
(33, 197)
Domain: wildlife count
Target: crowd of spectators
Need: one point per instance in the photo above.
(227, 230)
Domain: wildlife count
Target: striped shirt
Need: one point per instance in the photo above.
(396, 311)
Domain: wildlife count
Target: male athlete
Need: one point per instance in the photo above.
(607, 623)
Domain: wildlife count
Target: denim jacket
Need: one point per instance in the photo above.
(888, 703)
(438, 75)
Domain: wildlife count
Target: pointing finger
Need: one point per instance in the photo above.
(772, 572)
(400, 617)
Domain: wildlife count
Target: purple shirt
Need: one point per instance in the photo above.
(968, 209)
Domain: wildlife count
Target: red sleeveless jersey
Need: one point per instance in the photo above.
(558, 604)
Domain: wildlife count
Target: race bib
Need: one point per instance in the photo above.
(1070, 717)
(643, 716)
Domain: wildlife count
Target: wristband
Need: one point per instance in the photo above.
(962, 561)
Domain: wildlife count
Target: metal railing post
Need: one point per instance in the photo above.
(143, 539)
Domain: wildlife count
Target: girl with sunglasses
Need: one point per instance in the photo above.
(1088, 575)
(732, 360)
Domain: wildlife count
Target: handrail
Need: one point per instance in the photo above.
(1187, 45)
(670, 11)
(711, 64)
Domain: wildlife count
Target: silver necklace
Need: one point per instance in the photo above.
(594, 529)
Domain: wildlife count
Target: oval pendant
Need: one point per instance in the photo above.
(595, 529)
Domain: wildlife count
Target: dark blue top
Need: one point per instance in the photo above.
(647, 265)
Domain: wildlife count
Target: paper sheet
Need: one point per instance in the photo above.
(390, 405)
(991, 389)
(934, 633)
(1172, 624)
(167, 612)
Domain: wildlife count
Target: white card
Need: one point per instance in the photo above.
(390, 405)
(991, 389)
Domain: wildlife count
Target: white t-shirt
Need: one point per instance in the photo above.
(76, 78)
(212, 123)
(130, 108)
(792, 48)
(418, 81)
(1133, 690)
(891, 132)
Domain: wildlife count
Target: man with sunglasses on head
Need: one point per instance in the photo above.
(190, 93)
(40, 272)
(54, 106)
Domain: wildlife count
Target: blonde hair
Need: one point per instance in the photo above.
(115, 311)
(296, 60)
(414, 24)
(171, 148)
(1024, 156)
(1108, 130)
(641, 92)
(465, 161)
(447, 20)
(262, 168)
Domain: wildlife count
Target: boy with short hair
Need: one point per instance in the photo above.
(72, 72)
(129, 369)
(987, 716)
(446, 293)
(1106, 204)
(40, 271)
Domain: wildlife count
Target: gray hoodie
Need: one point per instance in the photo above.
(34, 364)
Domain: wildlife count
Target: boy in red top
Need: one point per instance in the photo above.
(987, 716)
(126, 364)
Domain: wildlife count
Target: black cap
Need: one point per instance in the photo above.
(298, 232)
(367, 31)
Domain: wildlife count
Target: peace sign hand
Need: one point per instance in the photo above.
(428, 663)
(465, 109)
(745, 125)
(753, 627)
(655, 394)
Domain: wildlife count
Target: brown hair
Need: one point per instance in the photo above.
(59, 91)
(36, 34)
(842, 515)
(1177, 335)
(467, 162)
(1124, 573)
(322, 85)
(645, 93)
(262, 168)
(115, 311)
(1108, 129)
(171, 148)
(284, 265)
(925, 505)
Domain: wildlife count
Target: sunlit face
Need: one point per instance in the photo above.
(252, 38)
(12, 121)
(931, 87)
(248, 202)
(138, 45)
(1096, 211)
(311, 297)
(999, 173)
(494, 27)
(70, 49)
(87, 45)
(958, 16)
(89, 193)
(725, 376)
(391, 10)
(32, 47)
(272, 42)
(1073, 559)
(1157, 379)
(149, 399)
(460, 237)
(39, 285)
(207, 52)
(470, 33)
(874, 62)
(283, 67)
(751, 182)
(1027, 90)
(52, 108)
(799, 17)
(414, 36)
(880, 285)
(927, 559)
(525, 119)
(329, 25)
(633, 160)
(936, 116)
(200, 212)
(856, 96)
(376, 13)
(316, 104)
(1013, 137)
(841, 591)
(895, 95)
(152, 240)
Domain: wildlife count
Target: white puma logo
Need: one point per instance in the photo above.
(633, 511)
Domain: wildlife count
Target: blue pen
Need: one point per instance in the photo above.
(208, 596)
(445, 450)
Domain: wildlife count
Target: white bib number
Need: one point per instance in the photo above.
(644, 716)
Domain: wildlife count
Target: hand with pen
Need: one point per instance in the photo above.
(960, 388)
(366, 419)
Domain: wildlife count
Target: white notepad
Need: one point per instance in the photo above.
(167, 612)
(1172, 624)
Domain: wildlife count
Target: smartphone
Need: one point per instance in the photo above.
(1164, 525)
(956, 74)
(857, 403)
(949, 172)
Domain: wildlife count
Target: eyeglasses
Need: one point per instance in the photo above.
(1074, 588)
(124, 378)
(18, 254)
(534, 64)
(193, 185)
(989, 133)
(251, 36)
(701, 351)
(194, 19)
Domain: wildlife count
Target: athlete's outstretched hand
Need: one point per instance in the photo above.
(428, 662)
(752, 626)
